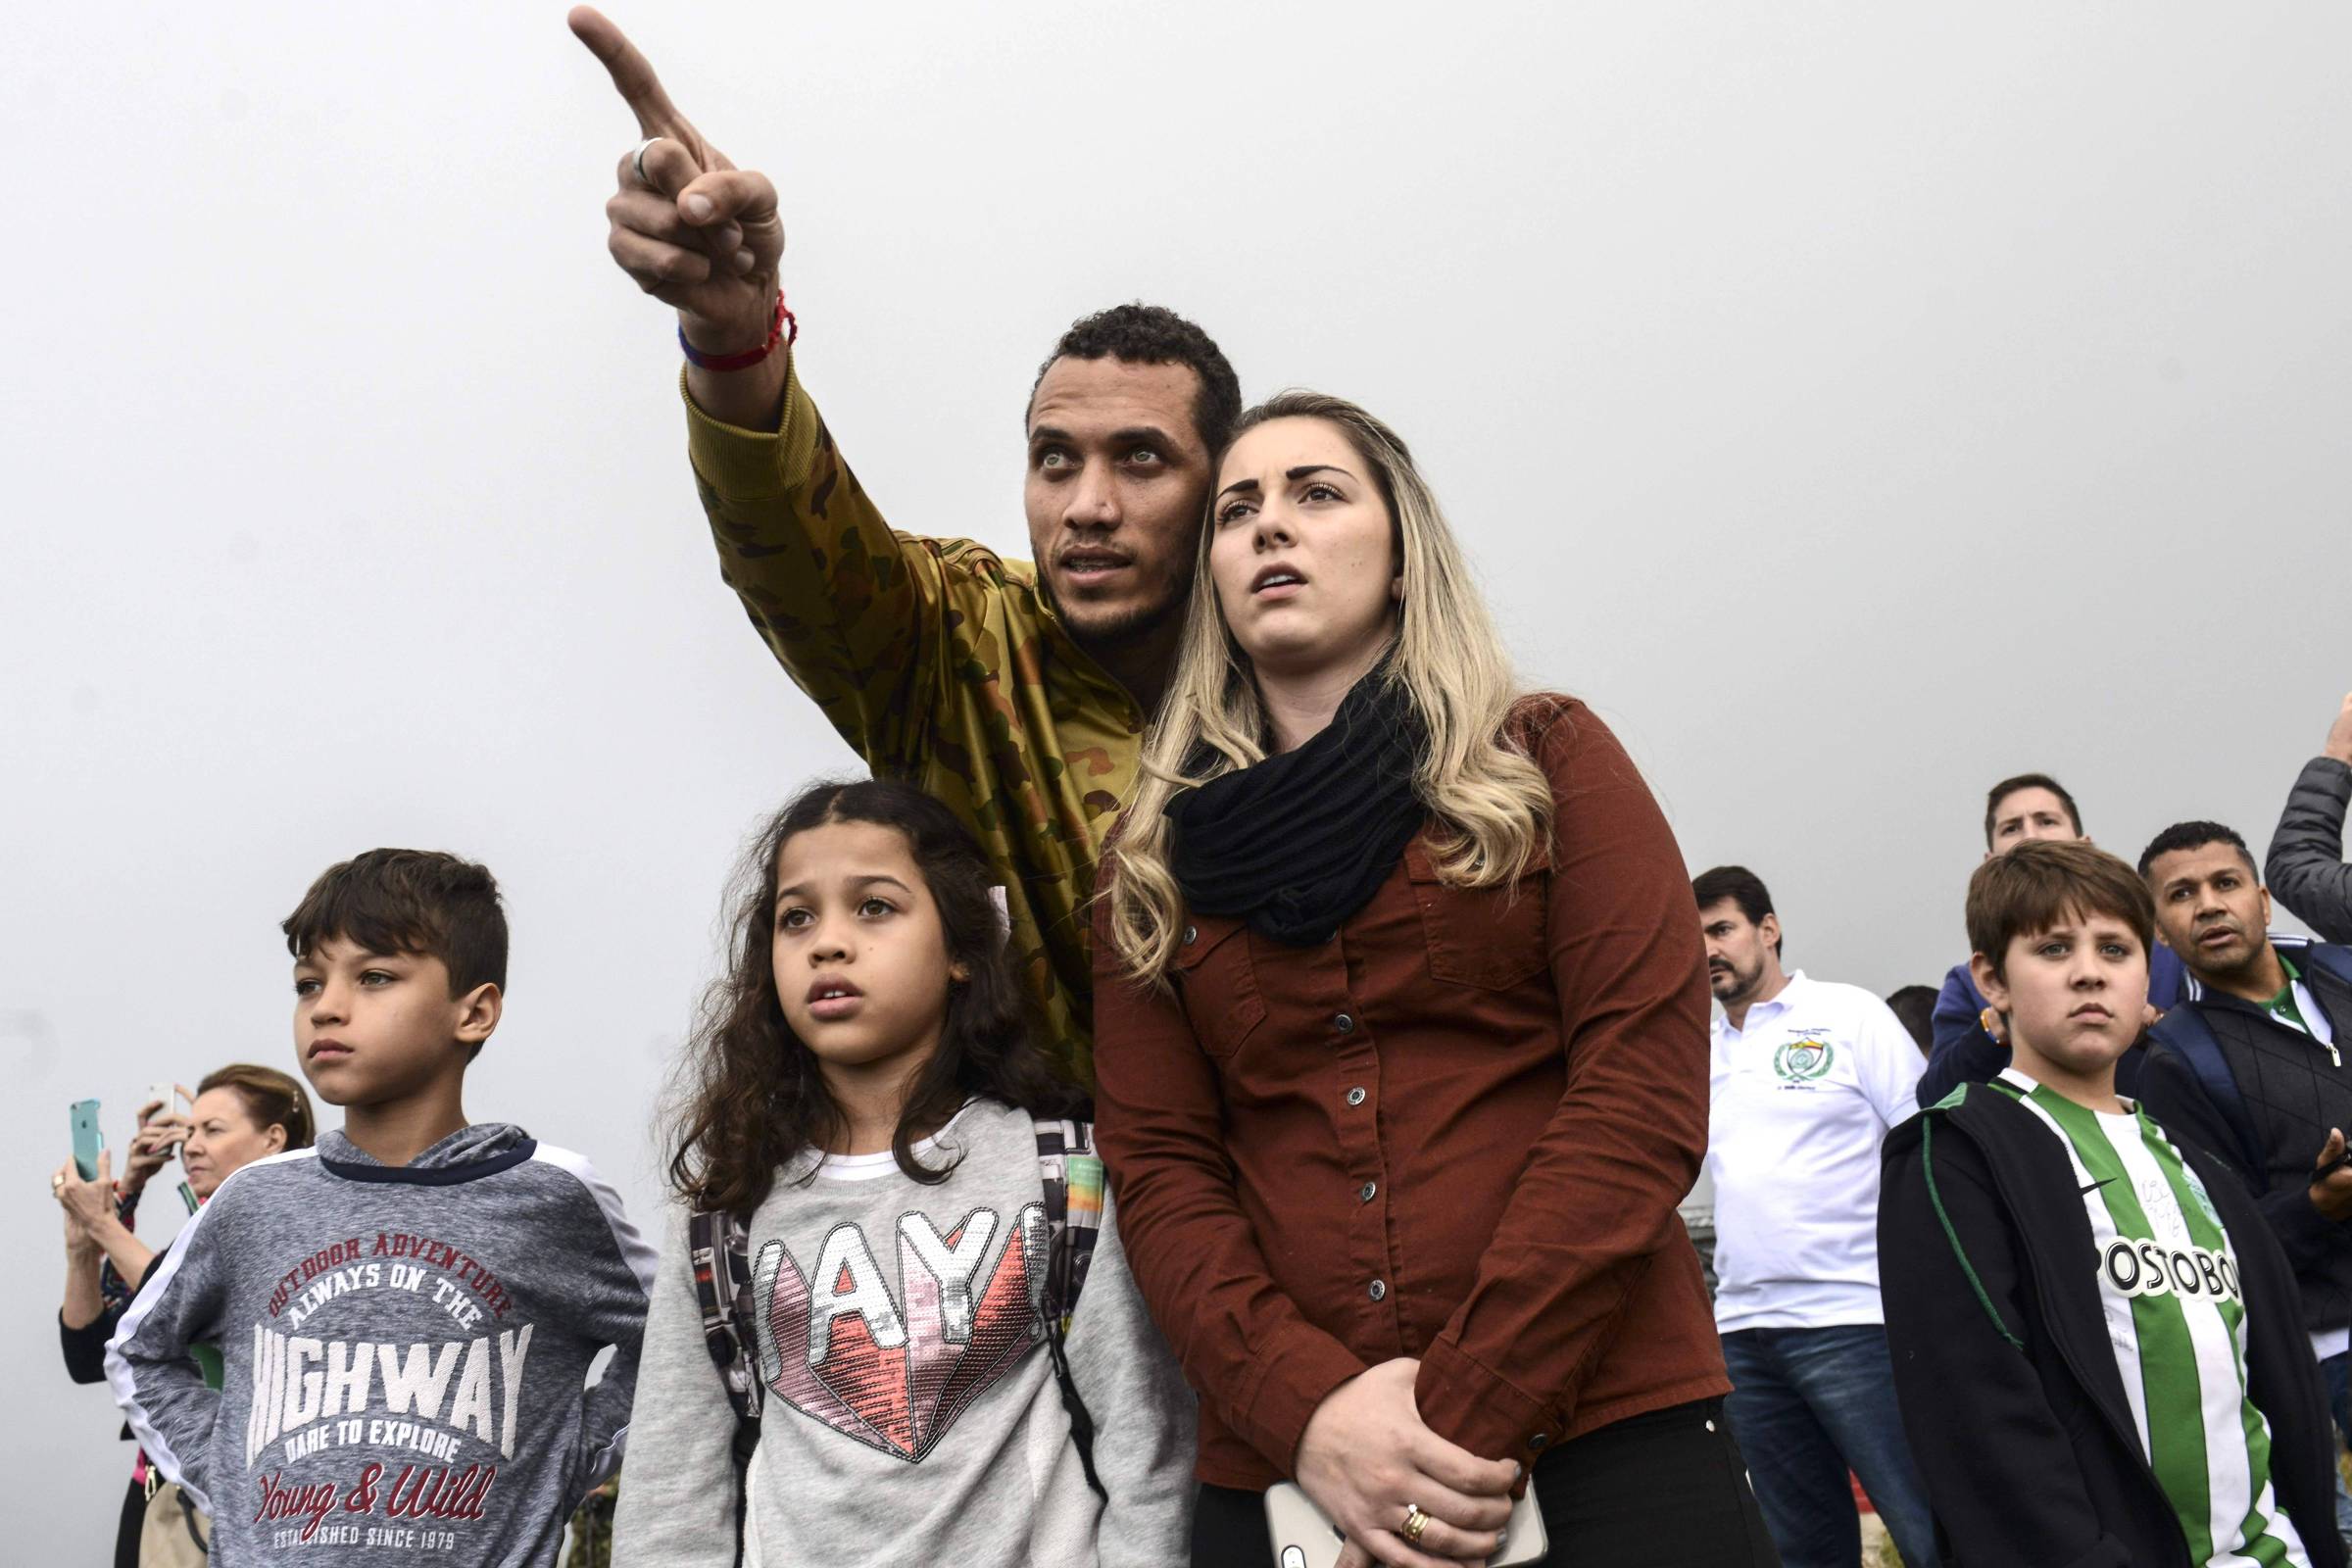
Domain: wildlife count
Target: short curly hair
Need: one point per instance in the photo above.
(2195, 836)
(1152, 334)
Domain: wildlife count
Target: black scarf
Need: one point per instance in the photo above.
(1300, 841)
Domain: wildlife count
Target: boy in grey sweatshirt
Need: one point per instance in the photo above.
(407, 1313)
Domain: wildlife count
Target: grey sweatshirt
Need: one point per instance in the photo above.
(912, 1413)
(405, 1351)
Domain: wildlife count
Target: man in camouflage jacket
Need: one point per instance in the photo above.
(1017, 693)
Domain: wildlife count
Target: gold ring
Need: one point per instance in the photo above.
(1415, 1521)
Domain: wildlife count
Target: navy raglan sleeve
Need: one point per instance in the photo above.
(1963, 1052)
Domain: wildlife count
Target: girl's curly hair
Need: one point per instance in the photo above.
(749, 1097)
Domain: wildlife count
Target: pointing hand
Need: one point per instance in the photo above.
(694, 231)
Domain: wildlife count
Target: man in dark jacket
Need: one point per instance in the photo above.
(2252, 1067)
(1969, 1047)
(2096, 1344)
(2306, 866)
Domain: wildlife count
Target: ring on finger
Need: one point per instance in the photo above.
(1415, 1522)
(637, 160)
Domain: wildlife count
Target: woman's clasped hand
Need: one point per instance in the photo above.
(1369, 1464)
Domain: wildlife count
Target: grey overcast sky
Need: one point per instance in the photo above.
(1854, 403)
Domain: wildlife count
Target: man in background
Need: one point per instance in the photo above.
(1015, 693)
(2251, 1066)
(1914, 1007)
(1807, 1077)
(1970, 1046)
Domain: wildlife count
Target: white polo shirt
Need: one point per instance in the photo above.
(1801, 1098)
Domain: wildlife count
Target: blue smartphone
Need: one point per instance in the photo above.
(88, 1140)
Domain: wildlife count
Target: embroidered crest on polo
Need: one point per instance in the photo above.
(1804, 1059)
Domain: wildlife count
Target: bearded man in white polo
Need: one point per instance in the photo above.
(1808, 1077)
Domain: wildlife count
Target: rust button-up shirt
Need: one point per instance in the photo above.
(1457, 1131)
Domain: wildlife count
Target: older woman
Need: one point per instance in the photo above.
(237, 1115)
(1401, 1040)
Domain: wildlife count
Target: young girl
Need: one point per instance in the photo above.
(863, 1091)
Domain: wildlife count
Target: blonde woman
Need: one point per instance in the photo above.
(1401, 1041)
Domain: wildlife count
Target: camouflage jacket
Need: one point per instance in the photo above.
(940, 663)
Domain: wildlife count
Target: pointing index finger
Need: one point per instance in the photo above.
(632, 74)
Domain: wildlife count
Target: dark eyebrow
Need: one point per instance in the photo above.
(868, 880)
(1141, 435)
(1291, 475)
(358, 954)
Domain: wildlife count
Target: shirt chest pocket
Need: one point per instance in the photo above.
(1218, 983)
(1493, 938)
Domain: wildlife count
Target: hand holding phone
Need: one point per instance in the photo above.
(2334, 1155)
(1305, 1538)
(163, 1129)
(2331, 1178)
(82, 1116)
(1363, 1459)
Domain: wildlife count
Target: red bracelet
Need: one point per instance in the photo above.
(785, 330)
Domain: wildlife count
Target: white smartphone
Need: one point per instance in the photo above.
(168, 1093)
(1305, 1538)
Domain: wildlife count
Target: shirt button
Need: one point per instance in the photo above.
(1364, 1193)
(1191, 934)
(1535, 1444)
(1344, 1025)
(1356, 1097)
(1379, 1291)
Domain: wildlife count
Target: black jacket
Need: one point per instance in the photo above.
(2305, 868)
(2291, 1091)
(2010, 1394)
(84, 1347)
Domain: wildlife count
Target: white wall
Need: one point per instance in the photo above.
(1857, 403)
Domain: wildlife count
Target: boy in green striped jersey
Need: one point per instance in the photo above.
(2097, 1345)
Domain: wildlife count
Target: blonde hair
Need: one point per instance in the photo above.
(1492, 802)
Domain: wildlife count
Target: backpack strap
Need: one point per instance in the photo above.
(2185, 1032)
(2335, 960)
(719, 1244)
(1071, 1174)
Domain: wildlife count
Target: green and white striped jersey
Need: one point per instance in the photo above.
(2175, 1318)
